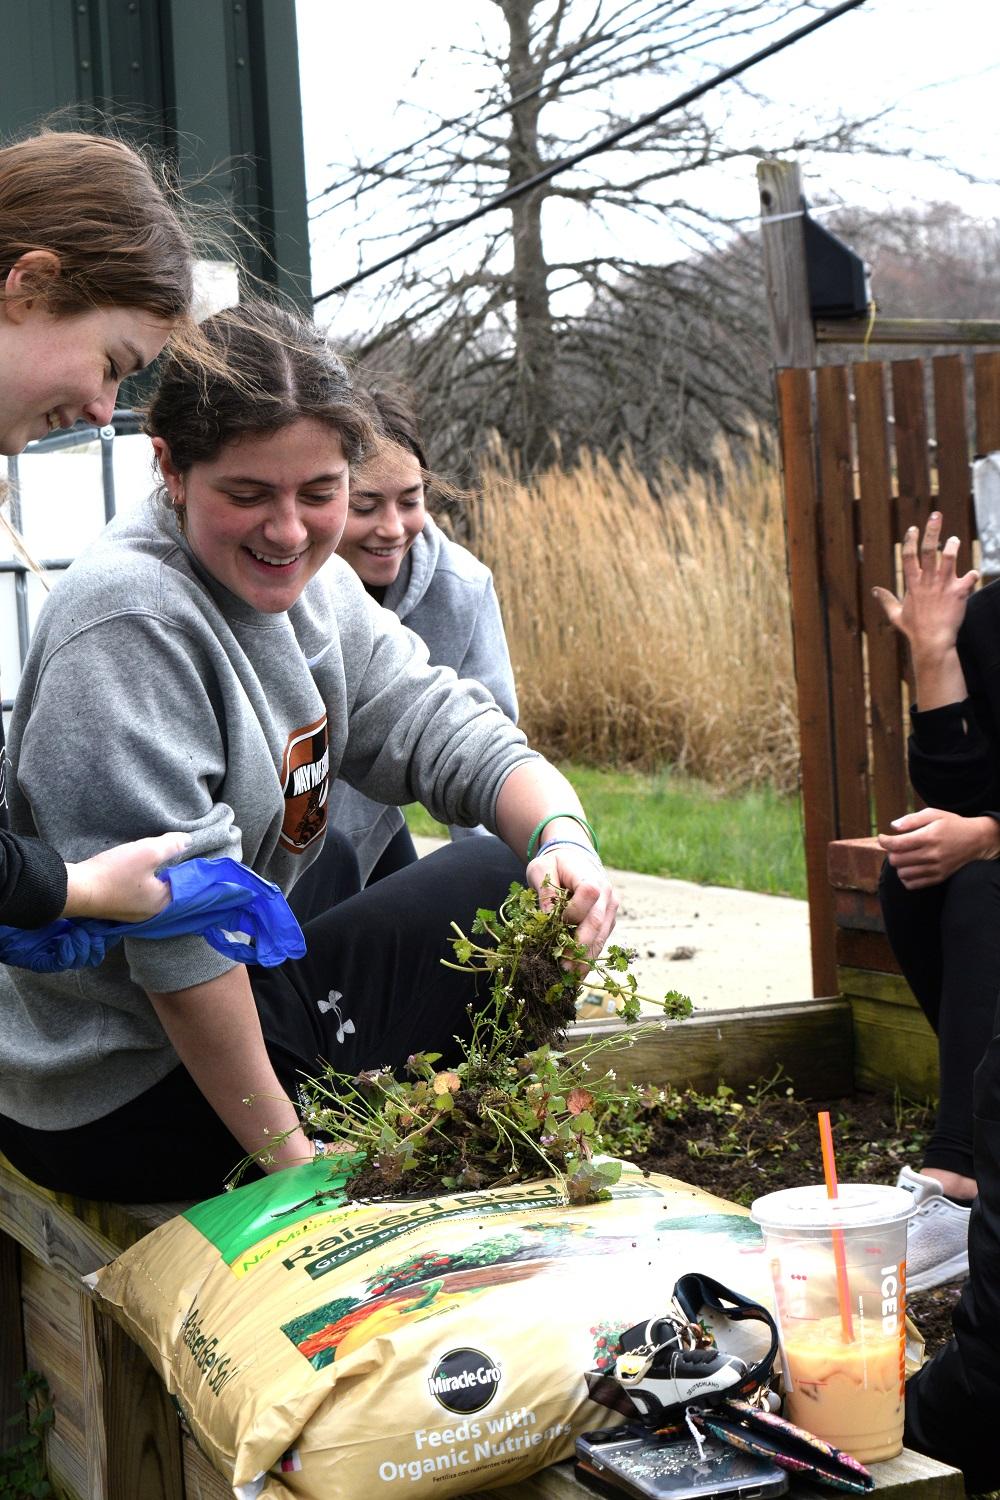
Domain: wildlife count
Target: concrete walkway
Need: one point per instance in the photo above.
(723, 948)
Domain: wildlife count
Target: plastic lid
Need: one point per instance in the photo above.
(857, 1206)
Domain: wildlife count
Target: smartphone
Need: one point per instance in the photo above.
(621, 1461)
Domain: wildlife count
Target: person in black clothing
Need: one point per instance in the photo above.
(940, 895)
(96, 274)
(940, 887)
(952, 1403)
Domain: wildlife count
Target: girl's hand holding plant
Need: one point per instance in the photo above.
(931, 612)
(593, 901)
(539, 816)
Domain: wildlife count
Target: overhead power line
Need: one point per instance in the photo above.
(408, 150)
(565, 163)
(469, 123)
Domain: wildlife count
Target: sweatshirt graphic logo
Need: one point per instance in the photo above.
(305, 780)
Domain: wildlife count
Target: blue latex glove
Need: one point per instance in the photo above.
(217, 898)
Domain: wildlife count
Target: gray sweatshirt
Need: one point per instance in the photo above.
(447, 596)
(154, 699)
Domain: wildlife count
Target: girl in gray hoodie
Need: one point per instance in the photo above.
(435, 586)
(210, 666)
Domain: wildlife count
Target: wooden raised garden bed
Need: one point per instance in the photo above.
(894, 1046)
(116, 1434)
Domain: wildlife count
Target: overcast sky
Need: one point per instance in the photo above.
(936, 62)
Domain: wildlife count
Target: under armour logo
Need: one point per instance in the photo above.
(344, 1028)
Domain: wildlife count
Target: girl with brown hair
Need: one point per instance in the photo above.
(238, 667)
(434, 585)
(96, 274)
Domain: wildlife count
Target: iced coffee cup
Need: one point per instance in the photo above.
(843, 1338)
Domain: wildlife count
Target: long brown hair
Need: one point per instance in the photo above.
(108, 212)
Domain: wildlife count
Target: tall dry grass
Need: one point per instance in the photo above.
(648, 624)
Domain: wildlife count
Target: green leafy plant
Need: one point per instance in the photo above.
(22, 1465)
(516, 1103)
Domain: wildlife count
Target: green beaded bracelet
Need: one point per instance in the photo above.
(550, 818)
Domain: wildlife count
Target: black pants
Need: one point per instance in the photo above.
(331, 878)
(399, 852)
(952, 1403)
(370, 990)
(947, 941)
(335, 876)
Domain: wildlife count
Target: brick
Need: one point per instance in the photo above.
(860, 949)
(858, 909)
(854, 864)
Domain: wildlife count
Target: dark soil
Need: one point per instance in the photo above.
(743, 1147)
(549, 1003)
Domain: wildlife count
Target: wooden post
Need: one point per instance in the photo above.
(140, 1449)
(781, 212)
(812, 664)
(12, 1360)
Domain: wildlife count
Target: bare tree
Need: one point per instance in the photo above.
(553, 349)
(935, 261)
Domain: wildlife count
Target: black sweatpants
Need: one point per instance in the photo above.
(335, 875)
(952, 1403)
(399, 852)
(947, 941)
(370, 990)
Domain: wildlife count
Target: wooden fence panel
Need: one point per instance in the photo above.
(885, 696)
(794, 392)
(840, 576)
(951, 431)
(913, 474)
(986, 380)
(986, 386)
(839, 548)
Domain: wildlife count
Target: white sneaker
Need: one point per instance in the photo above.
(937, 1237)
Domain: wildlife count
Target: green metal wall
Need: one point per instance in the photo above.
(215, 82)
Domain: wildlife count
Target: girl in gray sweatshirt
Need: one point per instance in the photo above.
(209, 666)
(435, 586)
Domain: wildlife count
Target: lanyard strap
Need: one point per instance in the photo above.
(694, 1292)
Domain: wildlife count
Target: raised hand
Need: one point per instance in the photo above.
(933, 605)
(931, 612)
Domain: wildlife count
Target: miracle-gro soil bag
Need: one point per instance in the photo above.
(321, 1349)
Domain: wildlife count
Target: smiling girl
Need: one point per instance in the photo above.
(96, 273)
(435, 586)
(221, 677)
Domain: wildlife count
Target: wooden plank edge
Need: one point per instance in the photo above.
(910, 1476)
(907, 331)
(812, 1041)
(877, 984)
(49, 1231)
(72, 1235)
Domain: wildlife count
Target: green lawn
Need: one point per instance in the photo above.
(669, 825)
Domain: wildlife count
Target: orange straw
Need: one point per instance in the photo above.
(839, 1252)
